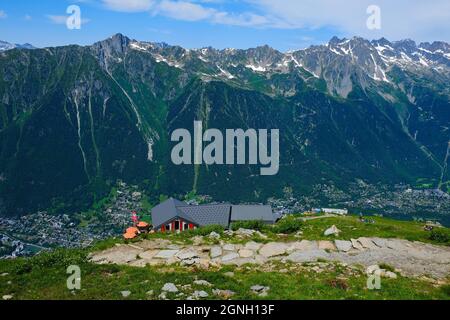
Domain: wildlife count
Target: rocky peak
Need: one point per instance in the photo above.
(382, 42)
(436, 46)
(335, 41)
(264, 54)
(111, 49)
(117, 43)
(408, 46)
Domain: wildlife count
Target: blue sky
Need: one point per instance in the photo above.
(283, 24)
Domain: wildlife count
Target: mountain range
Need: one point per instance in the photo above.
(74, 119)
(9, 46)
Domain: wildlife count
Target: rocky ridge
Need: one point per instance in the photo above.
(409, 258)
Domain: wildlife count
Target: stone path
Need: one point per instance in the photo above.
(412, 258)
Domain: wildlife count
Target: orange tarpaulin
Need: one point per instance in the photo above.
(132, 230)
(129, 235)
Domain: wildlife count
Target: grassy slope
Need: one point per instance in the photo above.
(44, 276)
(351, 227)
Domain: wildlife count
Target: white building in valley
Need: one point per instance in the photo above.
(341, 212)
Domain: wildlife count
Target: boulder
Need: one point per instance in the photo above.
(216, 251)
(148, 255)
(303, 245)
(190, 261)
(187, 254)
(169, 287)
(239, 261)
(356, 244)
(166, 254)
(246, 253)
(257, 288)
(125, 294)
(333, 230)
(367, 243)
(382, 243)
(230, 256)
(245, 232)
(396, 244)
(200, 294)
(259, 259)
(307, 256)
(197, 240)
(229, 247)
(326, 245)
(226, 294)
(162, 296)
(119, 255)
(214, 235)
(252, 245)
(260, 290)
(272, 249)
(202, 283)
(343, 245)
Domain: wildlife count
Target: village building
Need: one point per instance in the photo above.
(175, 215)
(341, 212)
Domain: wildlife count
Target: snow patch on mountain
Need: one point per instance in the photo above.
(225, 73)
(256, 68)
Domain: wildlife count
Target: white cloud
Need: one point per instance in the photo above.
(27, 17)
(245, 19)
(57, 19)
(62, 19)
(3, 14)
(183, 10)
(417, 19)
(188, 11)
(128, 5)
(399, 19)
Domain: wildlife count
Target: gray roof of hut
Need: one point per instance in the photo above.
(252, 212)
(212, 214)
(166, 211)
(218, 214)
